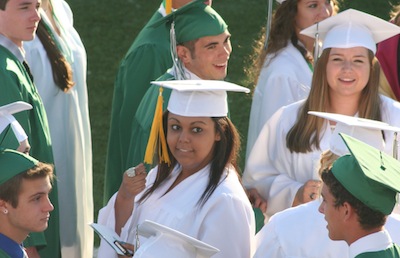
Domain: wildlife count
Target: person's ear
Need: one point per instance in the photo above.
(3, 206)
(183, 54)
(348, 211)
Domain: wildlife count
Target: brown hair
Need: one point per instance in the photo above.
(3, 4)
(62, 71)
(9, 191)
(306, 132)
(282, 30)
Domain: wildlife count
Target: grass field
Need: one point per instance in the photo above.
(108, 28)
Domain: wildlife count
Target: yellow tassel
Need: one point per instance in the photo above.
(157, 136)
(168, 6)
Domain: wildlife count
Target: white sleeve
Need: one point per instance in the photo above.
(235, 232)
(269, 168)
(267, 242)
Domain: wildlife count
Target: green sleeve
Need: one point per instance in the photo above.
(136, 72)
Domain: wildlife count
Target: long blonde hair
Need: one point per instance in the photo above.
(306, 132)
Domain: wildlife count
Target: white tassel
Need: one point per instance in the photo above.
(177, 64)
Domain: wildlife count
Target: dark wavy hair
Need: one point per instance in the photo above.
(367, 217)
(225, 154)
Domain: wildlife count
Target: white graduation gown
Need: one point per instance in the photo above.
(277, 173)
(226, 221)
(296, 232)
(287, 79)
(69, 124)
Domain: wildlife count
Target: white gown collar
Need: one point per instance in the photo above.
(371, 243)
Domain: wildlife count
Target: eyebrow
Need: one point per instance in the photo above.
(194, 122)
(216, 42)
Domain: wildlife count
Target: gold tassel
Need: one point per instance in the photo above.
(157, 136)
(168, 6)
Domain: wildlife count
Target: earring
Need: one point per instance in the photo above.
(5, 211)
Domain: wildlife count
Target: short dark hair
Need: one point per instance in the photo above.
(10, 190)
(367, 217)
(3, 4)
(191, 46)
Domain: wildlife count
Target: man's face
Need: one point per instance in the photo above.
(209, 61)
(33, 210)
(19, 20)
(332, 214)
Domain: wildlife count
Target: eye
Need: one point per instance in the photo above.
(197, 130)
(175, 127)
(213, 46)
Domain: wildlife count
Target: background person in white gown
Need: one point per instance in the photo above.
(64, 95)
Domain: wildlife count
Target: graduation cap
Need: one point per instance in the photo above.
(191, 98)
(352, 28)
(190, 22)
(167, 242)
(194, 20)
(7, 118)
(366, 130)
(13, 163)
(370, 175)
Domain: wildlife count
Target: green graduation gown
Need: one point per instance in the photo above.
(147, 59)
(16, 85)
(391, 252)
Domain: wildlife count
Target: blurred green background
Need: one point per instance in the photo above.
(108, 28)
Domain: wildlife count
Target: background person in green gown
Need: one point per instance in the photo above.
(147, 59)
(18, 23)
(203, 48)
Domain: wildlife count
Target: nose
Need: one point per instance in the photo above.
(36, 15)
(321, 208)
(325, 12)
(346, 65)
(183, 136)
(48, 205)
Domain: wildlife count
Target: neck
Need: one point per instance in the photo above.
(362, 233)
(343, 105)
(306, 41)
(17, 235)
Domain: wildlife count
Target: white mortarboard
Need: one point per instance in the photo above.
(365, 130)
(202, 98)
(6, 118)
(191, 98)
(352, 28)
(166, 242)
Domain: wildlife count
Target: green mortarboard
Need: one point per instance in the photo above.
(370, 175)
(13, 163)
(194, 20)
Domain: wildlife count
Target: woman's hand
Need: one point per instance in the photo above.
(133, 182)
(308, 192)
(257, 200)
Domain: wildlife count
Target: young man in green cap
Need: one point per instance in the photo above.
(25, 184)
(147, 59)
(203, 47)
(18, 22)
(359, 192)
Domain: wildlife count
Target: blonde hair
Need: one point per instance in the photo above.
(326, 161)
